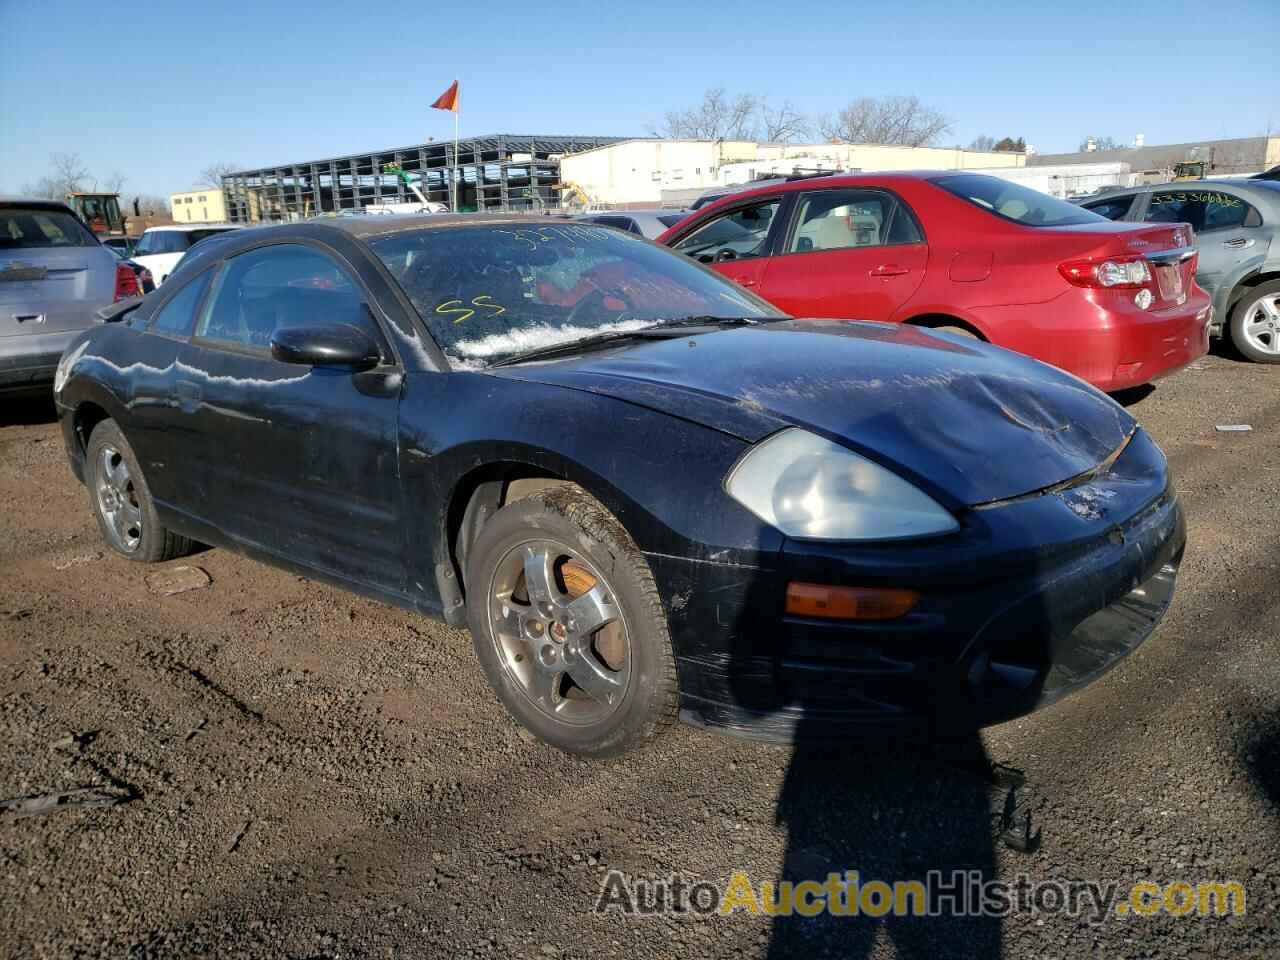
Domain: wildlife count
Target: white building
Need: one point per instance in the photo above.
(640, 173)
(1067, 179)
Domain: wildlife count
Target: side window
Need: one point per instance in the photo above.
(840, 219)
(176, 317)
(274, 287)
(735, 235)
(1203, 209)
(1113, 208)
(1224, 210)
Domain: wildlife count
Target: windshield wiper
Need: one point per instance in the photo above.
(654, 332)
(658, 330)
(709, 320)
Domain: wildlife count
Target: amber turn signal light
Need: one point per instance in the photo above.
(849, 603)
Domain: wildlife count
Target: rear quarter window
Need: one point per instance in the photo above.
(39, 229)
(1014, 202)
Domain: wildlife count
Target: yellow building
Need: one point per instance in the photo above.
(645, 172)
(198, 206)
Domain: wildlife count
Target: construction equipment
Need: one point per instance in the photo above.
(1190, 170)
(572, 194)
(100, 211)
(428, 206)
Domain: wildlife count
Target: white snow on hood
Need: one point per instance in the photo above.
(534, 338)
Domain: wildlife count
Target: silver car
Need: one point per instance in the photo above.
(649, 224)
(54, 274)
(1237, 224)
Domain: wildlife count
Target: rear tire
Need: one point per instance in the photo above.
(1255, 323)
(122, 502)
(568, 625)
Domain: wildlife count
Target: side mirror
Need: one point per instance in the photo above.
(726, 254)
(326, 345)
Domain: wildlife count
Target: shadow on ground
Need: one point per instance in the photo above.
(892, 812)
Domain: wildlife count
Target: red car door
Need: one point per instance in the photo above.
(735, 242)
(851, 253)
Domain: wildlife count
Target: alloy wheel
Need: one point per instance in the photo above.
(1262, 324)
(118, 500)
(559, 633)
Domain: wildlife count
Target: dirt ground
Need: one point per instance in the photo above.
(315, 775)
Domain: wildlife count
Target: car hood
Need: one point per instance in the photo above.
(967, 421)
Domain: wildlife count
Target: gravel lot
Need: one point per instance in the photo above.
(320, 776)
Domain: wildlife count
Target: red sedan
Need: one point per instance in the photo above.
(1114, 303)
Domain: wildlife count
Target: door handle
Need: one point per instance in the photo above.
(748, 283)
(1238, 243)
(888, 270)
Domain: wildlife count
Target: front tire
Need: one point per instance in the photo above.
(122, 502)
(1255, 323)
(568, 625)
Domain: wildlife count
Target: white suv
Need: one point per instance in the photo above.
(161, 248)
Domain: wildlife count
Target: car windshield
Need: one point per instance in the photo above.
(489, 292)
(1020, 204)
(162, 241)
(27, 229)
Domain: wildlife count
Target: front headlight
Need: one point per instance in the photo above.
(812, 489)
(65, 363)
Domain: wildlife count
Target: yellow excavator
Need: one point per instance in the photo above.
(571, 194)
(1190, 170)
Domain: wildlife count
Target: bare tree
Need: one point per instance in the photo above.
(112, 183)
(1100, 143)
(781, 124)
(45, 188)
(983, 143)
(211, 176)
(902, 121)
(718, 117)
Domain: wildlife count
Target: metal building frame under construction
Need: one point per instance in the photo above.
(501, 173)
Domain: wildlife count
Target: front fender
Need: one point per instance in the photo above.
(662, 477)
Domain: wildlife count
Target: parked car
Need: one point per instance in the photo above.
(122, 245)
(645, 490)
(1237, 227)
(712, 194)
(161, 248)
(975, 255)
(54, 275)
(649, 224)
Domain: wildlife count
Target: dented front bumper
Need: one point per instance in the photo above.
(1035, 598)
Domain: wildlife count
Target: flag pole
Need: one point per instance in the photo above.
(457, 169)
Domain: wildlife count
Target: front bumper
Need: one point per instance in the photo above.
(1036, 598)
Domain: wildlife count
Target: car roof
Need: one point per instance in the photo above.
(1231, 183)
(362, 227)
(380, 225)
(835, 181)
(648, 212)
(42, 203)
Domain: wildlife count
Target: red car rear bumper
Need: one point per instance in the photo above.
(1103, 337)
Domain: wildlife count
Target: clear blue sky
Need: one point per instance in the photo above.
(157, 91)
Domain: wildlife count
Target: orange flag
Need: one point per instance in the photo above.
(449, 99)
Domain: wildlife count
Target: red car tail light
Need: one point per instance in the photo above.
(1123, 272)
(126, 282)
